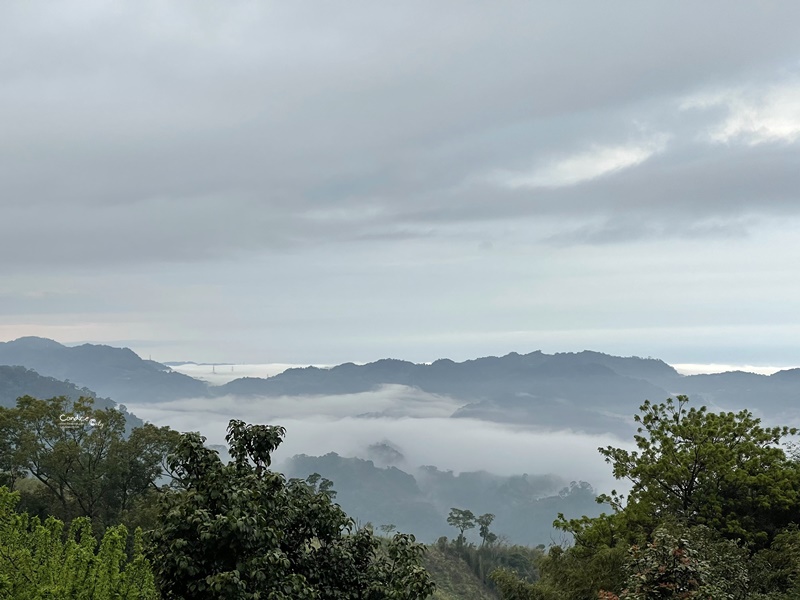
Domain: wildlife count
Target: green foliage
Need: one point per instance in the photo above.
(241, 531)
(487, 537)
(579, 573)
(483, 561)
(37, 563)
(511, 587)
(80, 457)
(454, 578)
(722, 470)
(775, 571)
(462, 520)
(709, 516)
(598, 532)
(685, 563)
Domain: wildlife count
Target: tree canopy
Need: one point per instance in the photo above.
(80, 457)
(241, 531)
(723, 470)
(462, 519)
(710, 514)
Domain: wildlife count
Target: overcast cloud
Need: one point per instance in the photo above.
(307, 182)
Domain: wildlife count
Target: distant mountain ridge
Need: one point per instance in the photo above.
(471, 378)
(586, 390)
(118, 373)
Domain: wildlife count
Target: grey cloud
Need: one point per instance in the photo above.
(151, 133)
(670, 188)
(624, 230)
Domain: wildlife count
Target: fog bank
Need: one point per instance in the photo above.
(414, 422)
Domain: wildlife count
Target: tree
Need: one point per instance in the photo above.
(80, 456)
(38, 562)
(240, 531)
(487, 537)
(721, 470)
(462, 520)
(709, 515)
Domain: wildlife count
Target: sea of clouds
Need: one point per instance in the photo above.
(416, 423)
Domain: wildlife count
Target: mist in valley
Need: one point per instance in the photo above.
(414, 422)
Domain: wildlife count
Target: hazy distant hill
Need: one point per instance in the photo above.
(777, 394)
(372, 494)
(524, 506)
(586, 390)
(19, 381)
(113, 372)
(477, 379)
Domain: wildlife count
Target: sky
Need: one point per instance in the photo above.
(296, 182)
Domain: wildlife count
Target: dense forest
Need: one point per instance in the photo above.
(712, 513)
(88, 510)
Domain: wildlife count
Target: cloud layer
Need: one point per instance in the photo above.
(198, 131)
(414, 422)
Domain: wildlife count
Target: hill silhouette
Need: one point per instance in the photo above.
(418, 502)
(588, 390)
(118, 373)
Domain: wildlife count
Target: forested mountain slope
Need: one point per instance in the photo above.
(19, 381)
(117, 373)
(524, 506)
